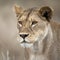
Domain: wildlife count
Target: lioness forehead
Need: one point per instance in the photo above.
(28, 15)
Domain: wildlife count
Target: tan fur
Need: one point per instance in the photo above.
(45, 42)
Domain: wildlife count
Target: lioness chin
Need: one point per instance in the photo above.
(38, 35)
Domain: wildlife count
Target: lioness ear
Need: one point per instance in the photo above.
(46, 12)
(18, 10)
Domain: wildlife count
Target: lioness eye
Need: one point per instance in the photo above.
(20, 23)
(33, 23)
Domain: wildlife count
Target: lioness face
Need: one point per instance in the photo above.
(31, 26)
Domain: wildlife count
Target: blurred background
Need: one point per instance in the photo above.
(8, 21)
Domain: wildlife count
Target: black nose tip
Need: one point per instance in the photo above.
(24, 35)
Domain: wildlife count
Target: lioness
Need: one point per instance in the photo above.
(38, 35)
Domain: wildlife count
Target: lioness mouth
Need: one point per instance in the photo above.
(24, 41)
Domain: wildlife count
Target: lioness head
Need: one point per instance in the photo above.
(32, 24)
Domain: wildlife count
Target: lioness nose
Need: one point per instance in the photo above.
(24, 35)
